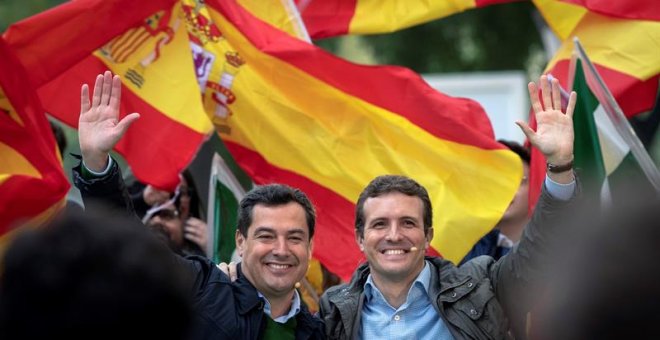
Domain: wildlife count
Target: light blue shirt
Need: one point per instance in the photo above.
(295, 308)
(559, 191)
(415, 319)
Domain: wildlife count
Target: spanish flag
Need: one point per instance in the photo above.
(327, 18)
(32, 180)
(147, 44)
(291, 113)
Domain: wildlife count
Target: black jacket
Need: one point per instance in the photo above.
(224, 310)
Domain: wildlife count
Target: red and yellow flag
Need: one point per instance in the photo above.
(291, 113)
(621, 38)
(32, 180)
(327, 18)
(147, 44)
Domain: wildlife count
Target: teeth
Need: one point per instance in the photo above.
(394, 252)
(279, 266)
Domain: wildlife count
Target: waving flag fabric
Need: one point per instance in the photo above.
(292, 113)
(624, 52)
(32, 180)
(147, 44)
(327, 18)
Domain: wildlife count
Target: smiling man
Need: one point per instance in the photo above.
(274, 237)
(401, 294)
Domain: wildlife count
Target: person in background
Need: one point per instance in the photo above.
(508, 230)
(88, 276)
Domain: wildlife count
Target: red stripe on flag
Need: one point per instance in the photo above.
(631, 9)
(334, 238)
(396, 89)
(633, 95)
(23, 198)
(327, 18)
(152, 154)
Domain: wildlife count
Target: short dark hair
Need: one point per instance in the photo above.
(386, 184)
(82, 276)
(274, 195)
(520, 150)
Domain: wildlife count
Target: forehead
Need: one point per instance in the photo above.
(393, 205)
(279, 218)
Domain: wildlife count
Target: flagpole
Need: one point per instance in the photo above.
(619, 120)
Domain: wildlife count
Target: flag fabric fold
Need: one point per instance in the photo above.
(292, 113)
(32, 179)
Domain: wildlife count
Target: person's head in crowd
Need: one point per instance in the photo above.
(274, 235)
(394, 227)
(606, 283)
(98, 277)
(513, 221)
(169, 218)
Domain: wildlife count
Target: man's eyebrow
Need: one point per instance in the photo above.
(264, 229)
(296, 231)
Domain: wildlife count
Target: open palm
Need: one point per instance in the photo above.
(99, 127)
(554, 133)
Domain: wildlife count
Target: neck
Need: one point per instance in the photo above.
(280, 305)
(393, 289)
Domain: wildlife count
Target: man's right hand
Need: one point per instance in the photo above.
(99, 127)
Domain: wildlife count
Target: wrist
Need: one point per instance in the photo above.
(96, 162)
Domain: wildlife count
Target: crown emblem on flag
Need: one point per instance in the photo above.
(202, 30)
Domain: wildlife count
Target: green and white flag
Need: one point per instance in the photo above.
(225, 192)
(608, 155)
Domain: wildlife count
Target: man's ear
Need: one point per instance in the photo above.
(240, 243)
(359, 240)
(429, 237)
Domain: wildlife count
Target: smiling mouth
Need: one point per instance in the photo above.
(279, 266)
(394, 252)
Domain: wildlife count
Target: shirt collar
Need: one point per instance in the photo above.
(295, 307)
(423, 280)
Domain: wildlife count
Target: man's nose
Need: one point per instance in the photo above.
(280, 247)
(393, 233)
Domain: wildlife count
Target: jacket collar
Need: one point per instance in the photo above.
(246, 295)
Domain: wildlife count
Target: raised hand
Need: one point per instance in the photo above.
(554, 133)
(195, 231)
(99, 127)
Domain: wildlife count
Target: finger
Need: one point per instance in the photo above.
(115, 96)
(123, 124)
(233, 272)
(526, 130)
(546, 93)
(223, 267)
(556, 95)
(107, 88)
(84, 99)
(534, 97)
(572, 99)
(98, 85)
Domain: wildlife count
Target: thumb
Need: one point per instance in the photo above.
(123, 124)
(526, 130)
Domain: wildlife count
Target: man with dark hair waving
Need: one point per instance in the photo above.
(276, 226)
(401, 294)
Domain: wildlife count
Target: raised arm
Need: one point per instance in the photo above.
(99, 127)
